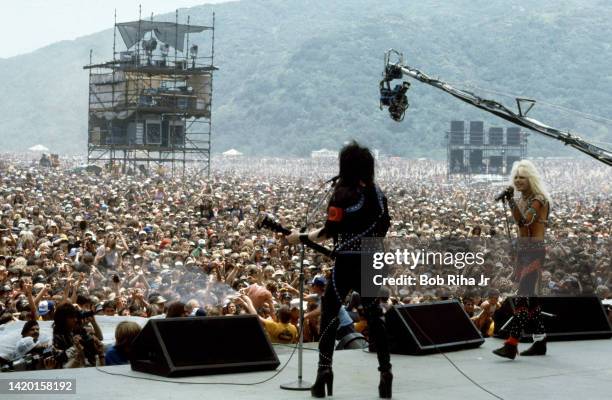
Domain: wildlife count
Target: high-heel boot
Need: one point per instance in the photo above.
(384, 387)
(507, 351)
(325, 378)
(538, 348)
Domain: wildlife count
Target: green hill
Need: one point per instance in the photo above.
(299, 75)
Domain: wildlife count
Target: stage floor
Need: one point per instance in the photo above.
(572, 370)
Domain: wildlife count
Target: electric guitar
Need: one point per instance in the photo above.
(267, 221)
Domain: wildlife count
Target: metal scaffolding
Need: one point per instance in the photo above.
(151, 105)
(474, 152)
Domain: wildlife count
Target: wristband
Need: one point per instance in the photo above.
(304, 237)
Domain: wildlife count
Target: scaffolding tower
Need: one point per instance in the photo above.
(474, 152)
(151, 105)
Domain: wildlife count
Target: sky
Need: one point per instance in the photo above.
(50, 21)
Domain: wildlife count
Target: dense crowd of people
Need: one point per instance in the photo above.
(76, 244)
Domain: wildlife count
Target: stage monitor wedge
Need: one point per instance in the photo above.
(427, 328)
(190, 346)
(574, 318)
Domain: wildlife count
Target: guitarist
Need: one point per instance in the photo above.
(357, 209)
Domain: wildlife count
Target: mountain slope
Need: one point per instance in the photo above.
(296, 76)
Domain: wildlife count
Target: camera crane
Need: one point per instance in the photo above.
(396, 101)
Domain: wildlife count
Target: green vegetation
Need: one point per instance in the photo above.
(299, 75)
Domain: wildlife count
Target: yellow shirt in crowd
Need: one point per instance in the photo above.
(281, 333)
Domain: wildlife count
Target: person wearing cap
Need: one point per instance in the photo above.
(158, 303)
(531, 217)
(200, 249)
(46, 310)
(357, 209)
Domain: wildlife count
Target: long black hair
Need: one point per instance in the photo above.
(62, 313)
(356, 164)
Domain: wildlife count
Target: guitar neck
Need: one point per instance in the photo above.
(321, 249)
(268, 222)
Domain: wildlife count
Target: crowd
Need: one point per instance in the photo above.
(77, 244)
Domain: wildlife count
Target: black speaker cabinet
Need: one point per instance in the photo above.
(573, 318)
(202, 346)
(430, 327)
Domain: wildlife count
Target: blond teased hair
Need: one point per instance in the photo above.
(529, 170)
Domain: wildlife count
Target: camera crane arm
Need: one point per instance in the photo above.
(397, 102)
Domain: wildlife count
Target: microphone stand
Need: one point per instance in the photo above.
(506, 220)
(300, 384)
(511, 245)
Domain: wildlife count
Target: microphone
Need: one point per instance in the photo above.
(333, 180)
(509, 191)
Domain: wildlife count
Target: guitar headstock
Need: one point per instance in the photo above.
(265, 220)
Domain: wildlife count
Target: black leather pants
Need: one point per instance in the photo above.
(346, 276)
